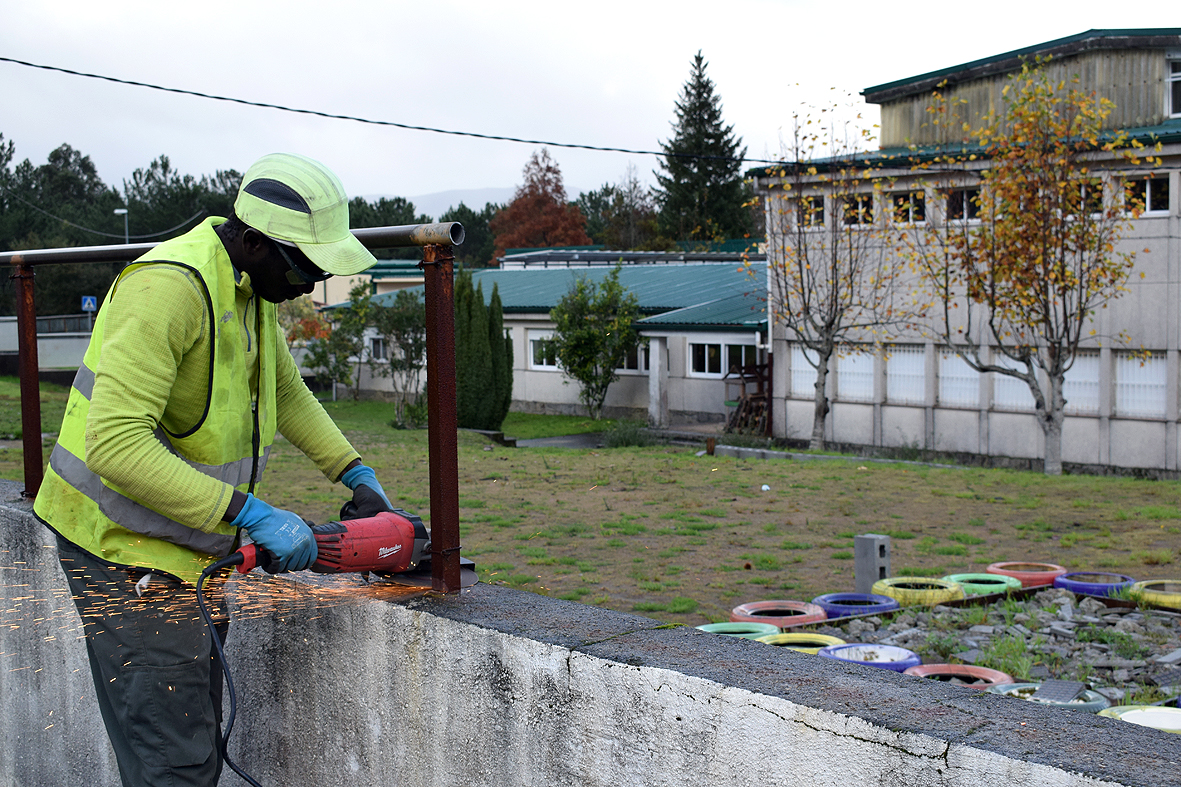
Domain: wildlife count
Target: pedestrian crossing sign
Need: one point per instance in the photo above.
(89, 303)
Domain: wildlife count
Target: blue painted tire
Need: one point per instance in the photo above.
(869, 655)
(842, 605)
(1093, 583)
(741, 630)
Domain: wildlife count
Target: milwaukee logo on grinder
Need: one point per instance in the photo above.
(384, 552)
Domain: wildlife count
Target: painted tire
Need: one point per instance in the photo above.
(1029, 574)
(741, 630)
(1155, 716)
(981, 677)
(1089, 701)
(1093, 583)
(842, 605)
(783, 614)
(909, 591)
(1161, 592)
(984, 584)
(804, 643)
(881, 656)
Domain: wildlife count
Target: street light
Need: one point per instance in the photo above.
(123, 212)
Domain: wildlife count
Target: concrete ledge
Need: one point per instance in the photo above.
(342, 683)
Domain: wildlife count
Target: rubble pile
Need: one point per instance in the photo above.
(1127, 654)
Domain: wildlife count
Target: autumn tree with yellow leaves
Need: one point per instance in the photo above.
(834, 287)
(1023, 249)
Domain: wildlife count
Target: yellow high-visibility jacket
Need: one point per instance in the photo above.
(176, 404)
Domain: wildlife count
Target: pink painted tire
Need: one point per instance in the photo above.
(1030, 574)
(784, 614)
(981, 677)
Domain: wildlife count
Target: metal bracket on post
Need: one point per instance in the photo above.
(442, 420)
(26, 319)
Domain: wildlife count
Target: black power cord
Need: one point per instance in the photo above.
(233, 560)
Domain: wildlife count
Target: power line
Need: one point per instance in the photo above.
(19, 198)
(369, 121)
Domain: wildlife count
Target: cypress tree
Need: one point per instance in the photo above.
(502, 362)
(701, 192)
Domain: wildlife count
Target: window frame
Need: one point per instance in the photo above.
(910, 205)
(537, 338)
(815, 212)
(376, 343)
(967, 200)
(862, 209)
(1148, 181)
(1173, 78)
(690, 366)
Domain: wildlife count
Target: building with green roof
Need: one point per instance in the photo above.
(1122, 408)
(700, 317)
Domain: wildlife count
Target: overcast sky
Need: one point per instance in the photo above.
(604, 73)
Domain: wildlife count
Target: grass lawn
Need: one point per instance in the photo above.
(684, 538)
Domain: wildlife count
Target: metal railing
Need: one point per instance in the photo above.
(438, 266)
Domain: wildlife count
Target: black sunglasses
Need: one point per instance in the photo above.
(297, 275)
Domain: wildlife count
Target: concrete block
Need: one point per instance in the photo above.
(871, 560)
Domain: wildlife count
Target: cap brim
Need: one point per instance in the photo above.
(344, 257)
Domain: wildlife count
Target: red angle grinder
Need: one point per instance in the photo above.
(388, 543)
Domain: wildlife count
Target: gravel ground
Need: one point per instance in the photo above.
(1130, 655)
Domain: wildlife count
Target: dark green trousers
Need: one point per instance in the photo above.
(155, 670)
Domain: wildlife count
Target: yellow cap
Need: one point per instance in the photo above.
(297, 199)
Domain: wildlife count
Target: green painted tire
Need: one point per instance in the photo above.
(909, 591)
(1088, 702)
(802, 642)
(983, 584)
(1161, 592)
(741, 630)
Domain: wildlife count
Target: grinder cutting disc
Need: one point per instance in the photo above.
(420, 577)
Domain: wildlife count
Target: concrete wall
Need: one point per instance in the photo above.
(343, 683)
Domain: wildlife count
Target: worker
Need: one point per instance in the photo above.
(169, 425)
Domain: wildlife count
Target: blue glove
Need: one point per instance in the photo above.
(364, 476)
(279, 532)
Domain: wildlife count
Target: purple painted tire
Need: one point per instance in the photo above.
(869, 655)
(842, 605)
(1093, 583)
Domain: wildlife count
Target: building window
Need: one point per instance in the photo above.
(740, 355)
(959, 383)
(963, 204)
(636, 360)
(906, 375)
(706, 359)
(1081, 386)
(1175, 88)
(1010, 393)
(855, 377)
(910, 207)
(857, 210)
(803, 373)
(1089, 198)
(1150, 195)
(810, 211)
(1140, 385)
(377, 349)
(543, 353)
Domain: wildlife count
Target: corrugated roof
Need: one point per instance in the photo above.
(745, 311)
(659, 288)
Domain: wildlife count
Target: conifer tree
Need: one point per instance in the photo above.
(701, 192)
(483, 357)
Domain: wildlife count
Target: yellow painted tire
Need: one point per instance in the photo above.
(1156, 716)
(804, 643)
(1161, 592)
(910, 591)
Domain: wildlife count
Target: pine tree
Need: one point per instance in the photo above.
(502, 362)
(701, 192)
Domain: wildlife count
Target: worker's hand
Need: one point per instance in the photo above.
(281, 533)
(358, 479)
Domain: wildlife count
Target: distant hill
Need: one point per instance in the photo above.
(435, 204)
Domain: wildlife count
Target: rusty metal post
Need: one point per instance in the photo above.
(26, 325)
(442, 420)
